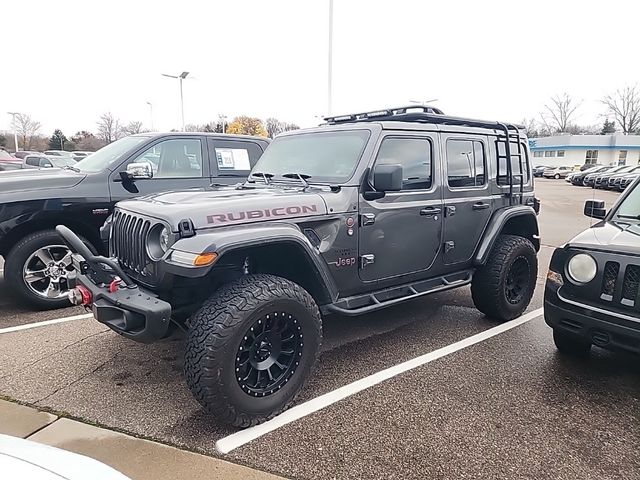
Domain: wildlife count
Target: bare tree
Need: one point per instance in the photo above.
(109, 128)
(559, 113)
(133, 128)
(26, 129)
(275, 127)
(624, 105)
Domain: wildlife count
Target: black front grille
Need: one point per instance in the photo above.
(631, 283)
(128, 241)
(611, 270)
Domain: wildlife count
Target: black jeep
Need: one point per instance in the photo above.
(592, 296)
(363, 212)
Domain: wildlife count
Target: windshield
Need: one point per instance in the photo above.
(100, 160)
(630, 207)
(60, 162)
(326, 157)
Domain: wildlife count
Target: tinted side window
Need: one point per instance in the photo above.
(414, 154)
(33, 161)
(175, 158)
(233, 157)
(465, 163)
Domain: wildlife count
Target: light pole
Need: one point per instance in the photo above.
(151, 114)
(180, 77)
(330, 61)
(223, 119)
(15, 131)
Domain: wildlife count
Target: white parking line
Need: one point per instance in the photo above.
(235, 440)
(45, 323)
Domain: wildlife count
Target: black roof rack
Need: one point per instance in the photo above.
(418, 114)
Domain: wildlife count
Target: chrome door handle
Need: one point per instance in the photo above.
(481, 206)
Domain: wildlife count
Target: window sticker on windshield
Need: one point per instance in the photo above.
(233, 159)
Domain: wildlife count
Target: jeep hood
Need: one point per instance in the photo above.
(620, 237)
(226, 206)
(32, 179)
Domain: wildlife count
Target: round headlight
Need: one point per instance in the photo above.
(157, 241)
(582, 268)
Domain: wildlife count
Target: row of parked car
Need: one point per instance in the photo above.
(47, 159)
(610, 177)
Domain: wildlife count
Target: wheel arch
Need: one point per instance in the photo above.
(520, 221)
(37, 225)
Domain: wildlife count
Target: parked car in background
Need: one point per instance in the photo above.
(79, 155)
(557, 172)
(8, 161)
(590, 179)
(602, 179)
(627, 180)
(44, 161)
(614, 180)
(578, 177)
(539, 170)
(82, 196)
(23, 153)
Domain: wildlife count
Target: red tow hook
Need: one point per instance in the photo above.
(114, 285)
(80, 296)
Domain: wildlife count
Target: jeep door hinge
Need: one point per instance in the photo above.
(367, 260)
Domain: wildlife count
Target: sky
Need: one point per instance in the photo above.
(67, 62)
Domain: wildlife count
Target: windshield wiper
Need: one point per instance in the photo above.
(300, 176)
(265, 176)
(633, 217)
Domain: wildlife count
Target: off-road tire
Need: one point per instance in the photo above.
(216, 332)
(14, 265)
(570, 344)
(488, 288)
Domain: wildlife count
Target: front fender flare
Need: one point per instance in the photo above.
(223, 240)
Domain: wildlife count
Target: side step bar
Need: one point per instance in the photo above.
(370, 302)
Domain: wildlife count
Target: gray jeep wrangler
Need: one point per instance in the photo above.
(363, 212)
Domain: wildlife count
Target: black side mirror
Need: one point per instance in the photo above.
(595, 209)
(387, 178)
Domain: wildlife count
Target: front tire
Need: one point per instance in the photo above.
(38, 269)
(556, 176)
(250, 348)
(502, 288)
(570, 344)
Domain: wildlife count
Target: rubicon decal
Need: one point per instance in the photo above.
(278, 212)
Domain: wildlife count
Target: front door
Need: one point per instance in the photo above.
(468, 203)
(178, 163)
(400, 233)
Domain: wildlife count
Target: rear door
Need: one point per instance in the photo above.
(468, 202)
(231, 160)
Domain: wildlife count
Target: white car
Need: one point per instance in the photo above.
(23, 459)
(557, 172)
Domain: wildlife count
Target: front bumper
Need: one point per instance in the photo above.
(133, 312)
(601, 328)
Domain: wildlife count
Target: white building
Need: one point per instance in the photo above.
(576, 150)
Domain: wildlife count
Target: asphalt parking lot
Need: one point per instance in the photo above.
(506, 407)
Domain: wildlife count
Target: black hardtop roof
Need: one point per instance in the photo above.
(419, 114)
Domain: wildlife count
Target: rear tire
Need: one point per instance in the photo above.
(503, 287)
(570, 344)
(22, 259)
(244, 327)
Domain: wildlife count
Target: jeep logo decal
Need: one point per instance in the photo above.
(267, 213)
